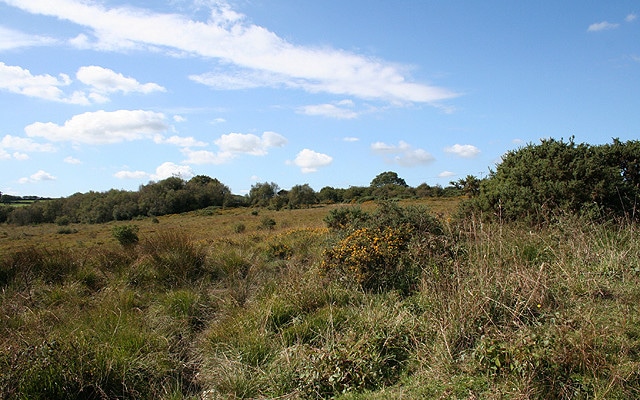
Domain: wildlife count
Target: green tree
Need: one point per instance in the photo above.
(388, 178)
(302, 196)
(261, 193)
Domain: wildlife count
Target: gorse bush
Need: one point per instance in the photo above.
(374, 258)
(537, 182)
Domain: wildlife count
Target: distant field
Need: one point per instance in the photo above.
(202, 225)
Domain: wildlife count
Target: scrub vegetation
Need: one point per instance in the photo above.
(387, 299)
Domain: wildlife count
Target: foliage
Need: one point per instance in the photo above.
(126, 235)
(373, 258)
(538, 181)
(388, 178)
(302, 196)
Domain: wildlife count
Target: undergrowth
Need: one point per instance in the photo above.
(390, 302)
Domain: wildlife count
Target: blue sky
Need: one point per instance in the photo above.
(101, 94)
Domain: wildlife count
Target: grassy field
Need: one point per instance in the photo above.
(248, 303)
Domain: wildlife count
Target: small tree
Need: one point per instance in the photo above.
(388, 178)
(126, 235)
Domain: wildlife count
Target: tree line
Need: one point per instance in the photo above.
(175, 195)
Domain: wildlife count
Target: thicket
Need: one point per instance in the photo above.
(175, 195)
(537, 182)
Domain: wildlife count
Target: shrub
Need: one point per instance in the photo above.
(374, 258)
(126, 235)
(536, 182)
(267, 223)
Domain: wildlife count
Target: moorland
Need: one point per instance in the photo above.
(465, 297)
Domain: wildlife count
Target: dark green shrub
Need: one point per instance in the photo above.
(126, 235)
(267, 223)
(537, 182)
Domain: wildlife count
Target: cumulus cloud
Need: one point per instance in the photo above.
(10, 142)
(37, 177)
(402, 154)
(104, 80)
(252, 55)
(235, 144)
(11, 39)
(164, 171)
(200, 157)
(47, 87)
(339, 110)
(238, 143)
(309, 161)
(102, 127)
(463, 150)
(169, 169)
(602, 26)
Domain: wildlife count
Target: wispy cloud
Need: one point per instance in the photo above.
(339, 110)
(252, 55)
(104, 81)
(630, 17)
(602, 26)
(102, 127)
(463, 150)
(310, 161)
(402, 154)
(12, 39)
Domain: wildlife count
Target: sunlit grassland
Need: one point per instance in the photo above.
(200, 308)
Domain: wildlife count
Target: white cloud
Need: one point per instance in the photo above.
(339, 110)
(38, 177)
(179, 141)
(19, 80)
(131, 174)
(630, 17)
(309, 161)
(169, 169)
(350, 139)
(179, 118)
(102, 127)
(104, 80)
(72, 160)
(206, 157)
(259, 57)
(234, 144)
(9, 142)
(11, 39)
(237, 143)
(403, 154)
(602, 26)
(463, 150)
(446, 174)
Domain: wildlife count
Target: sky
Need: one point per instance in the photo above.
(112, 94)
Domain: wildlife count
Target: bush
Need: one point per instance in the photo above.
(126, 235)
(374, 258)
(537, 182)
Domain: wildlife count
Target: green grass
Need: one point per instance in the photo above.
(200, 309)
